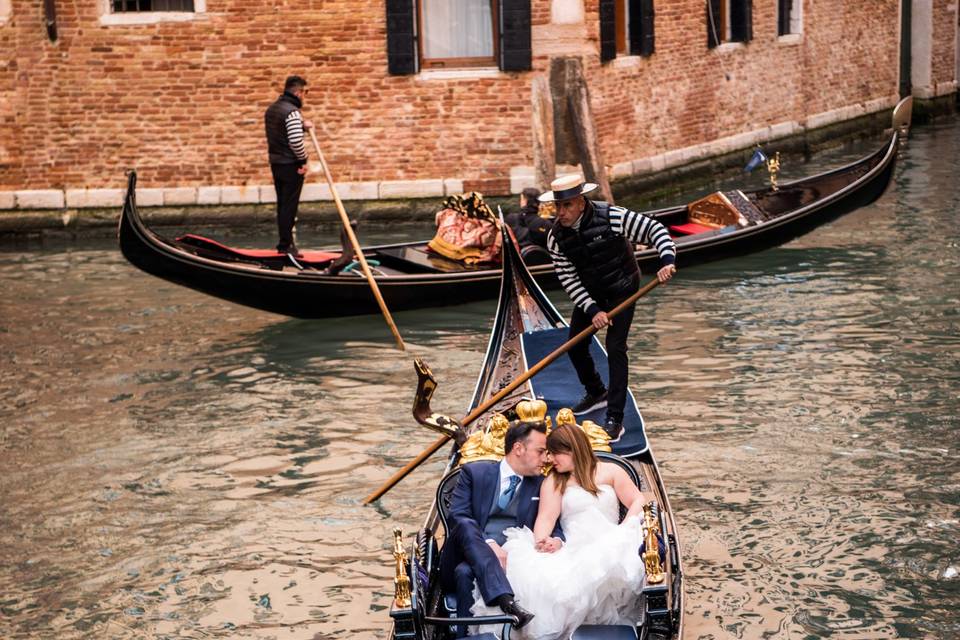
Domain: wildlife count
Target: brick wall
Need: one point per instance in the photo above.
(943, 51)
(183, 101)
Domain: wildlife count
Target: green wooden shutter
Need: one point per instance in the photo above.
(713, 23)
(741, 20)
(401, 37)
(608, 30)
(515, 52)
(783, 17)
(641, 27)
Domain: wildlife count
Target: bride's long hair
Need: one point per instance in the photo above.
(568, 438)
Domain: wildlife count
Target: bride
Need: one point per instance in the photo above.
(596, 575)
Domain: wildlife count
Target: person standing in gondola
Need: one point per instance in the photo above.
(527, 225)
(592, 247)
(285, 127)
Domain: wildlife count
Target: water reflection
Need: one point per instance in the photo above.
(178, 466)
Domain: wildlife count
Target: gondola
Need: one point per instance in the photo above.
(526, 328)
(410, 276)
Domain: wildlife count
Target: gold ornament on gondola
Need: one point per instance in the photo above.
(599, 439)
(486, 444)
(531, 410)
(773, 166)
(402, 581)
(651, 555)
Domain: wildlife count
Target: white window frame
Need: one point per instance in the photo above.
(108, 17)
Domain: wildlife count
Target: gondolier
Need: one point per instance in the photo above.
(592, 247)
(285, 128)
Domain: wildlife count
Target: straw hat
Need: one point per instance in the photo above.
(566, 187)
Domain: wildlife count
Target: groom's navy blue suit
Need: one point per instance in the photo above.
(466, 556)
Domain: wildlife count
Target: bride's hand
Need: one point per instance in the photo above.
(549, 545)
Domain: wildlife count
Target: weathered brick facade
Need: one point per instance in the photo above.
(182, 101)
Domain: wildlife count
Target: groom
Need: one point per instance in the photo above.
(489, 498)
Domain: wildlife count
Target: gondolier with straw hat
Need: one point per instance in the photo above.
(592, 247)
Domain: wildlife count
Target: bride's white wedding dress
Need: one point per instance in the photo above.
(593, 579)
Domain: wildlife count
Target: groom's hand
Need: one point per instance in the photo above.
(549, 545)
(499, 552)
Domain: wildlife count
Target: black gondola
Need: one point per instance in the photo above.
(410, 276)
(527, 327)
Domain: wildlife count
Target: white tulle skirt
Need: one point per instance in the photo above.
(595, 578)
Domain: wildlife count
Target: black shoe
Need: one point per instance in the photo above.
(614, 429)
(290, 251)
(513, 609)
(589, 402)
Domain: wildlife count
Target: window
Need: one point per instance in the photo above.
(457, 33)
(432, 34)
(626, 28)
(125, 6)
(4, 10)
(729, 21)
(788, 17)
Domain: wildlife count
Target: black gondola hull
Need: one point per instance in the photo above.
(311, 294)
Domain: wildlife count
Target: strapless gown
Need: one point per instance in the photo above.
(594, 578)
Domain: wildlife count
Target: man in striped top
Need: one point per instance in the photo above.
(591, 245)
(285, 128)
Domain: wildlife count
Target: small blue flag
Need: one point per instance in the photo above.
(756, 160)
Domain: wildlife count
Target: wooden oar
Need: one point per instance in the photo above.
(480, 410)
(356, 246)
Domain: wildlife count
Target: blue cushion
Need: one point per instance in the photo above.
(604, 632)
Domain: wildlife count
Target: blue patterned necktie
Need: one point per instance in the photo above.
(507, 494)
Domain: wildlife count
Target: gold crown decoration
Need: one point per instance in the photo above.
(531, 410)
(486, 444)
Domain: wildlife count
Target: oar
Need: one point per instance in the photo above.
(480, 410)
(356, 246)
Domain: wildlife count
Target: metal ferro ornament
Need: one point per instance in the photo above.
(402, 581)
(651, 556)
(773, 166)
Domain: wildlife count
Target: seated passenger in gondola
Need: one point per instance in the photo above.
(527, 225)
(597, 575)
(489, 498)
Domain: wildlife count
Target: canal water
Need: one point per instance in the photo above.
(174, 466)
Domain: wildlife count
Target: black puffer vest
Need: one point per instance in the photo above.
(278, 145)
(604, 260)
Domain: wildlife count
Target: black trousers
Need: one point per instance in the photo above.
(616, 357)
(288, 183)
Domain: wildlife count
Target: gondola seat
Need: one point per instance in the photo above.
(605, 632)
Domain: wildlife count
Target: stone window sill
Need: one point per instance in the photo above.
(790, 38)
(726, 47)
(459, 74)
(110, 19)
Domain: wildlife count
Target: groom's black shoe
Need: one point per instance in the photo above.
(523, 616)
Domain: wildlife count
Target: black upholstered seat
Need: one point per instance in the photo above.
(604, 632)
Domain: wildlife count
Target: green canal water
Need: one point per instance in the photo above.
(175, 466)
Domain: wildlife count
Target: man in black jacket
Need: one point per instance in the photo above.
(592, 247)
(285, 128)
(527, 225)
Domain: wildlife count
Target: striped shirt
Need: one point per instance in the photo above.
(294, 125)
(636, 227)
